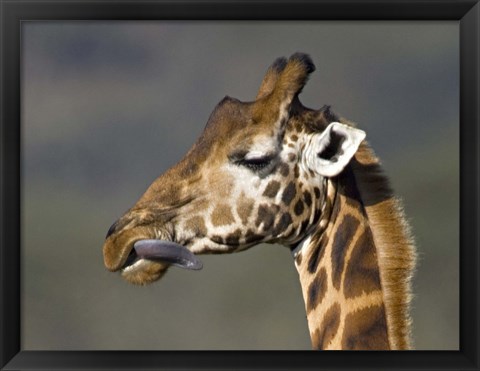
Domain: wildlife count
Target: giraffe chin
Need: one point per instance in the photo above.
(144, 271)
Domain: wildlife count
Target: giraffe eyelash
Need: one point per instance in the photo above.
(255, 164)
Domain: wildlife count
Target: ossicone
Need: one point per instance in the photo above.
(285, 78)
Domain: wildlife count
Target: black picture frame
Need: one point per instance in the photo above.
(467, 12)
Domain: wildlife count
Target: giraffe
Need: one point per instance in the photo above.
(272, 170)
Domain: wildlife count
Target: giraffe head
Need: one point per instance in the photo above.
(256, 174)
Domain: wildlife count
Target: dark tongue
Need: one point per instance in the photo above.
(167, 251)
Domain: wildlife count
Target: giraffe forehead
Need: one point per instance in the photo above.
(247, 130)
(262, 144)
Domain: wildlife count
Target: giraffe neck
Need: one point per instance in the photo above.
(356, 266)
(340, 275)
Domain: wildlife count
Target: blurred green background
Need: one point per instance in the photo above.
(109, 106)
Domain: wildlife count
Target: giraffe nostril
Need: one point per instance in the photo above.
(112, 229)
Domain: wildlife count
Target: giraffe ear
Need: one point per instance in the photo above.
(330, 151)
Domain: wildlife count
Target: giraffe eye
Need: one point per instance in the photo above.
(255, 164)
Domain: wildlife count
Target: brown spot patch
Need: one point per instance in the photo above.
(354, 204)
(234, 238)
(251, 236)
(296, 171)
(292, 157)
(316, 190)
(362, 271)
(282, 224)
(283, 168)
(343, 237)
(217, 239)
(289, 193)
(272, 189)
(298, 208)
(317, 290)
(294, 137)
(245, 208)
(307, 197)
(196, 224)
(304, 226)
(266, 215)
(320, 244)
(222, 215)
(328, 329)
(366, 329)
(316, 216)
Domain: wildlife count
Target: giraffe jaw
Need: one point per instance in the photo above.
(140, 259)
(143, 271)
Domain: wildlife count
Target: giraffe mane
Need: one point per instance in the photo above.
(393, 240)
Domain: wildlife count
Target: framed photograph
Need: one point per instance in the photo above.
(141, 136)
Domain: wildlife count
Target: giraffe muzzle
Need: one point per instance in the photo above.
(169, 252)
